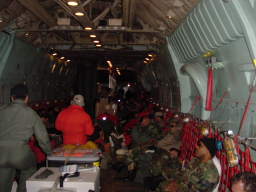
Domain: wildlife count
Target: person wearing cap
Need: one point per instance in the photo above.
(74, 122)
(18, 123)
(201, 173)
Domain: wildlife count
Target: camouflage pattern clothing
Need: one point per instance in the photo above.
(197, 177)
(142, 138)
(141, 135)
(163, 164)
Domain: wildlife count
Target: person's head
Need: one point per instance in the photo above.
(174, 152)
(19, 91)
(206, 148)
(244, 182)
(159, 116)
(145, 121)
(78, 100)
(176, 130)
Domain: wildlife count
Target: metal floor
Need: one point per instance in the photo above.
(109, 183)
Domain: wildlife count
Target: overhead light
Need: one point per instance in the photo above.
(1, 20)
(147, 59)
(53, 67)
(145, 62)
(96, 41)
(93, 36)
(79, 14)
(109, 63)
(98, 45)
(170, 14)
(88, 28)
(150, 55)
(72, 3)
(62, 58)
(54, 54)
(26, 34)
(68, 60)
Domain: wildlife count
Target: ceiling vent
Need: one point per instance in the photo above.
(115, 22)
(63, 21)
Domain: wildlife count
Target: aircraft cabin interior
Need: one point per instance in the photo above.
(195, 61)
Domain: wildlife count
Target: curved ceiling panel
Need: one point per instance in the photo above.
(210, 25)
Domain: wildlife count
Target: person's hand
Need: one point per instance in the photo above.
(171, 187)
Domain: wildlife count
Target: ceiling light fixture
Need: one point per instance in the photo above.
(68, 60)
(109, 63)
(98, 45)
(88, 28)
(54, 54)
(72, 3)
(1, 20)
(170, 14)
(93, 36)
(79, 14)
(62, 58)
(150, 55)
(147, 59)
(96, 41)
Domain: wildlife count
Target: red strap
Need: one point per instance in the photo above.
(210, 86)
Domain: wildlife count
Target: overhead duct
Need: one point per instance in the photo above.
(198, 74)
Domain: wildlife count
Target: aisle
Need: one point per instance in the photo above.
(110, 184)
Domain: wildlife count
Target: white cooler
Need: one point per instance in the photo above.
(88, 180)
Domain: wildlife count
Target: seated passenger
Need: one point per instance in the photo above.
(201, 174)
(75, 123)
(163, 165)
(172, 138)
(244, 182)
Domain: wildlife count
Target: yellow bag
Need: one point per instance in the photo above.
(69, 146)
(89, 145)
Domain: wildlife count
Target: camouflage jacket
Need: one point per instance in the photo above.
(198, 177)
(163, 164)
(142, 135)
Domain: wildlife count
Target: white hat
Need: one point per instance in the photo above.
(78, 100)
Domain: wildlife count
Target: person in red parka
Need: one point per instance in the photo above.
(74, 122)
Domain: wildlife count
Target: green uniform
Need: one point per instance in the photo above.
(197, 177)
(18, 123)
(162, 164)
(142, 139)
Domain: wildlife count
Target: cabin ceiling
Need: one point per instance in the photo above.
(136, 25)
(117, 23)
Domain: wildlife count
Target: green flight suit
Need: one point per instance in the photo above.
(197, 177)
(18, 123)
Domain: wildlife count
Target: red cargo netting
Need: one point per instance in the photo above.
(190, 137)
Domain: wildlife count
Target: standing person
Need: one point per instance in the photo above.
(74, 122)
(18, 123)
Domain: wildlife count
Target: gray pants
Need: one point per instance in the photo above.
(15, 156)
(7, 177)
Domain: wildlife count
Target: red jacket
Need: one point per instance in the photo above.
(75, 124)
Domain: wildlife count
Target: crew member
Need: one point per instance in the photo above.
(201, 174)
(18, 123)
(74, 122)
